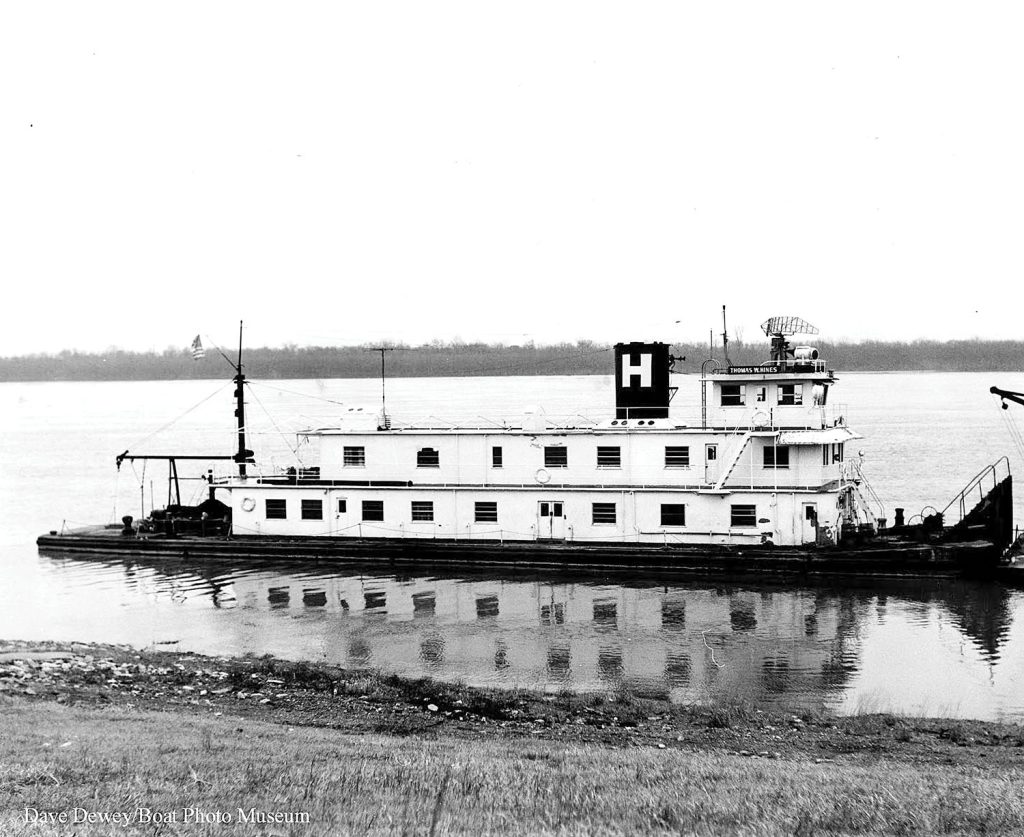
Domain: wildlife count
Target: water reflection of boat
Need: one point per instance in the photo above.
(762, 641)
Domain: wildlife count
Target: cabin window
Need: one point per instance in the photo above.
(342, 506)
(428, 458)
(373, 509)
(826, 457)
(312, 509)
(673, 514)
(354, 457)
(609, 457)
(604, 514)
(791, 394)
(776, 456)
(761, 394)
(837, 452)
(677, 456)
(422, 511)
(742, 516)
(485, 512)
(496, 457)
(733, 395)
(556, 456)
(277, 509)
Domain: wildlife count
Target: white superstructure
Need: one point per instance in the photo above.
(767, 463)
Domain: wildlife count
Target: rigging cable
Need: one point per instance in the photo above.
(295, 450)
(179, 418)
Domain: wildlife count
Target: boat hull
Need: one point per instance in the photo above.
(878, 557)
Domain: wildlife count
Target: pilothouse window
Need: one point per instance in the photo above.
(354, 457)
(733, 395)
(791, 394)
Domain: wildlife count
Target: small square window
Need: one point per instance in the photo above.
(422, 511)
(743, 516)
(496, 457)
(485, 512)
(761, 394)
(354, 457)
(791, 394)
(776, 456)
(673, 514)
(677, 456)
(312, 509)
(373, 509)
(277, 509)
(604, 514)
(428, 458)
(609, 457)
(556, 456)
(733, 395)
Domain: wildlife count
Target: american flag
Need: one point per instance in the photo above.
(197, 349)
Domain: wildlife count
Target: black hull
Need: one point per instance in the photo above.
(878, 557)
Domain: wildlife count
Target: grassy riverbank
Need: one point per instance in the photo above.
(107, 730)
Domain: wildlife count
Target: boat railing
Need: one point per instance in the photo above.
(974, 492)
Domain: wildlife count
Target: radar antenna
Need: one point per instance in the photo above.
(779, 328)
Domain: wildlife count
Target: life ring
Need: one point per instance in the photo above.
(248, 504)
(759, 419)
(542, 476)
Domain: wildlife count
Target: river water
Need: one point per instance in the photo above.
(941, 647)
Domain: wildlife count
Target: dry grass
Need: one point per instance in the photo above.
(54, 758)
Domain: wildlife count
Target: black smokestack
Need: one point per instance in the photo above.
(641, 380)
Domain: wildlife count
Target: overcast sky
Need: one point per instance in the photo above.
(340, 173)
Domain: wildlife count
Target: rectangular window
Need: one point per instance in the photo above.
(312, 509)
(609, 457)
(354, 457)
(604, 513)
(673, 514)
(373, 509)
(733, 395)
(428, 458)
(677, 456)
(837, 452)
(422, 511)
(485, 512)
(496, 457)
(342, 506)
(277, 509)
(790, 394)
(762, 394)
(776, 456)
(743, 516)
(825, 459)
(556, 456)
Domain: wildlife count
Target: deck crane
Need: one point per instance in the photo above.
(1008, 395)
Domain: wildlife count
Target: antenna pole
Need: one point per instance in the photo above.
(244, 454)
(725, 339)
(385, 422)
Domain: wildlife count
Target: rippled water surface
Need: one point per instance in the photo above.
(915, 646)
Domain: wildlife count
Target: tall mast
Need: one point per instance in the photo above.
(244, 454)
(725, 339)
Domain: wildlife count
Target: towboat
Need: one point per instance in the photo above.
(764, 483)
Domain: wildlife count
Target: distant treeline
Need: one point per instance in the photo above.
(461, 359)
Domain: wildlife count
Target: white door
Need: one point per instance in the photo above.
(551, 520)
(710, 464)
(810, 523)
